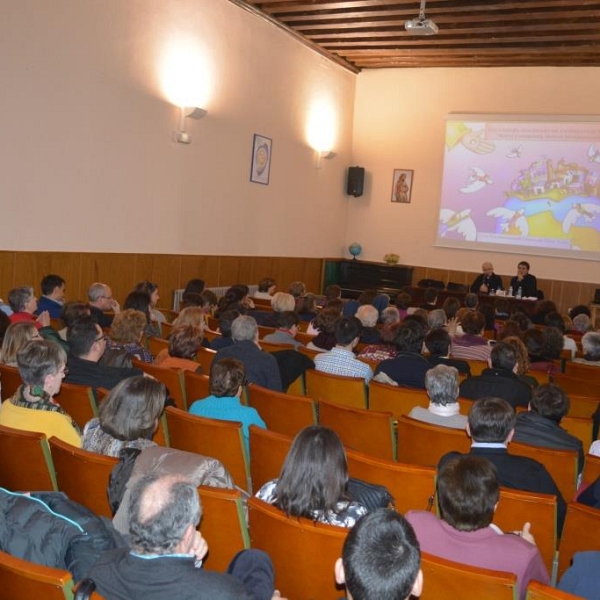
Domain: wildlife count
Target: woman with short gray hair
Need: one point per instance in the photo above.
(441, 383)
(590, 343)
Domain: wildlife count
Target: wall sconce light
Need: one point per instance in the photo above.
(327, 154)
(193, 112)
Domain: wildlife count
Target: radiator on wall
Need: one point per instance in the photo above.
(218, 291)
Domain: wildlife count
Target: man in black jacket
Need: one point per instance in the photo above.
(500, 380)
(491, 428)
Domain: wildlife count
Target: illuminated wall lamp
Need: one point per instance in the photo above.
(327, 154)
(193, 112)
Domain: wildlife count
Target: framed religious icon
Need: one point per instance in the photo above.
(402, 185)
(261, 159)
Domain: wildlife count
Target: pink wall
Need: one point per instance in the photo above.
(399, 124)
(87, 160)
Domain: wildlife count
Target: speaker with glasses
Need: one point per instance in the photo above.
(356, 180)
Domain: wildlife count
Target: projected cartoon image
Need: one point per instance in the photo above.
(522, 184)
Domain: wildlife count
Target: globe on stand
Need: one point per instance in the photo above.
(355, 249)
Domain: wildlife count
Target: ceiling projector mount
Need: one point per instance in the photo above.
(421, 25)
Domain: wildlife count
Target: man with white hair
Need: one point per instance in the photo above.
(367, 314)
(100, 300)
(487, 281)
(167, 552)
(261, 367)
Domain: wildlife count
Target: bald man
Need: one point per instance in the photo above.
(487, 281)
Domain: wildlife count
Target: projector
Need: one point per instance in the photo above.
(421, 27)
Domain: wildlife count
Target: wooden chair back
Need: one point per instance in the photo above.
(272, 347)
(539, 591)
(197, 386)
(582, 406)
(363, 430)
(56, 323)
(213, 324)
(161, 435)
(210, 335)
(561, 464)
(580, 427)
(282, 413)
(83, 475)
(262, 303)
(309, 352)
(10, 380)
(303, 552)
(78, 401)
(262, 331)
(582, 371)
(591, 469)
(267, 453)
(577, 386)
(412, 486)
(223, 525)
(397, 400)
(26, 464)
(297, 387)
(349, 391)
(420, 443)
(517, 507)
(222, 440)
(205, 357)
(21, 579)
(170, 315)
(156, 345)
(166, 329)
(447, 580)
(477, 366)
(580, 533)
(303, 337)
(172, 378)
(540, 376)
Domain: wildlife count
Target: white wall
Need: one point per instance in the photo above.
(399, 124)
(87, 161)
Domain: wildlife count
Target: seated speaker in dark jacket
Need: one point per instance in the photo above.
(500, 380)
(540, 426)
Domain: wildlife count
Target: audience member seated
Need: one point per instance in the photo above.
(41, 366)
(582, 324)
(313, 480)
(281, 302)
(441, 384)
(88, 344)
(436, 319)
(451, 306)
(430, 297)
(491, 428)
(225, 323)
(208, 302)
(522, 367)
(438, 342)
(581, 578)
(70, 313)
(261, 367)
(226, 386)
(539, 359)
(366, 297)
(17, 336)
(184, 343)
(403, 303)
(324, 326)
(167, 551)
(554, 319)
(471, 345)
(191, 315)
(306, 307)
(151, 289)
(409, 366)
(127, 417)
(142, 302)
(468, 490)
(499, 380)
(390, 316)
(101, 301)
(194, 286)
(24, 305)
(502, 308)
(524, 281)
(381, 302)
(487, 282)
(341, 360)
(126, 334)
(53, 296)
(287, 330)
(540, 426)
(296, 289)
(266, 288)
(368, 316)
(590, 343)
(542, 309)
(579, 309)
(386, 348)
(232, 300)
(381, 559)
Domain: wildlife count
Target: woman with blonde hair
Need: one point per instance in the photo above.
(16, 337)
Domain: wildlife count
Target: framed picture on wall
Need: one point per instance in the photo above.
(402, 185)
(261, 159)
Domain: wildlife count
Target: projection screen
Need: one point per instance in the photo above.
(526, 184)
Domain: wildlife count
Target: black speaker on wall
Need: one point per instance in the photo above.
(356, 180)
